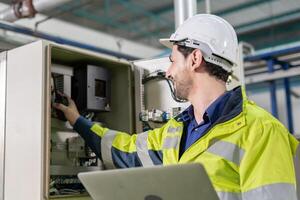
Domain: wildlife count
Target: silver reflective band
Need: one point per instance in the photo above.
(171, 142)
(106, 145)
(173, 129)
(229, 196)
(227, 150)
(278, 191)
(142, 149)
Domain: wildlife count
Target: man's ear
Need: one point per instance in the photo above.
(197, 59)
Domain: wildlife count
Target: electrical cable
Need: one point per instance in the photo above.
(161, 75)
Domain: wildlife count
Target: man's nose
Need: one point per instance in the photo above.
(168, 73)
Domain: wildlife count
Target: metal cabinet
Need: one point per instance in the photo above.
(25, 113)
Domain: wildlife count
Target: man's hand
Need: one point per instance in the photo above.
(71, 113)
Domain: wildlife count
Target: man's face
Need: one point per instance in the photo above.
(179, 72)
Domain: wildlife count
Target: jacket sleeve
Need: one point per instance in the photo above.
(267, 170)
(120, 150)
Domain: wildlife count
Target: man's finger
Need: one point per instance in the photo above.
(63, 94)
(60, 106)
(70, 101)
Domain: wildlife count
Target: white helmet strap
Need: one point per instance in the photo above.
(207, 53)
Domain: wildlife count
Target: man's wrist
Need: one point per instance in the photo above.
(82, 125)
(74, 118)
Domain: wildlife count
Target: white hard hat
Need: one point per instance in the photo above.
(214, 36)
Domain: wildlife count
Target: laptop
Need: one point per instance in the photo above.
(173, 182)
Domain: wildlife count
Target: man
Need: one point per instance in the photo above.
(247, 153)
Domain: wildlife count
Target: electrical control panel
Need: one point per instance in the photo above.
(69, 154)
(41, 152)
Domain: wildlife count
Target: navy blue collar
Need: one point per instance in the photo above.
(212, 113)
(225, 107)
(190, 111)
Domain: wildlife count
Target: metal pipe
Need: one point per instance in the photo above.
(184, 9)
(273, 53)
(39, 5)
(270, 64)
(288, 99)
(207, 6)
(60, 40)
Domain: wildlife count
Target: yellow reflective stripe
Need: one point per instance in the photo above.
(278, 191)
(297, 170)
(227, 150)
(106, 147)
(171, 142)
(142, 149)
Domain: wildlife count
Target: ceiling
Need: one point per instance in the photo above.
(263, 23)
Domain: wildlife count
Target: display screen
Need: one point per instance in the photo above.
(100, 88)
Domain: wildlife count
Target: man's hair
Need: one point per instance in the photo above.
(212, 69)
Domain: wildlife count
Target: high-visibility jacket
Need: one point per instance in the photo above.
(247, 153)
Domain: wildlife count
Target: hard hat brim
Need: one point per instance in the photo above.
(166, 42)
